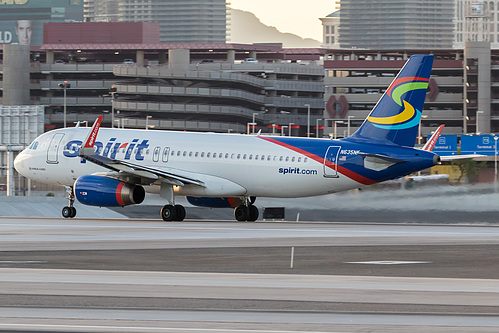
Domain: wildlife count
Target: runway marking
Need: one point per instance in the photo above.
(388, 262)
(23, 262)
(144, 329)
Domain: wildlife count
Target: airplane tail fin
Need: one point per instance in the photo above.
(395, 118)
(430, 144)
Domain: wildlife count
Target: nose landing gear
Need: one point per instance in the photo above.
(69, 211)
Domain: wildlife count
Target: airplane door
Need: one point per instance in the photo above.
(53, 149)
(331, 162)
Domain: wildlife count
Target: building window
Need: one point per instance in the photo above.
(327, 29)
(332, 29)
(327, 39)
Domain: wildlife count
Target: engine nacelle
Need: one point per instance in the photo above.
(107, 192)
(229, 202)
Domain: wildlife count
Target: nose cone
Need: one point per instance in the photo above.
(20, 163)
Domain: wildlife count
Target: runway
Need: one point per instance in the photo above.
(91, 275)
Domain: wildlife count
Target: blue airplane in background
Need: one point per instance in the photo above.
(114, 167)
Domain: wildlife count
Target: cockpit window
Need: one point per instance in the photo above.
(34, 145)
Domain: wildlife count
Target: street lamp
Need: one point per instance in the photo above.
(317, 127)
(495, 163)
(348, 128)
(147, 122)
(308, 120)
(335, 123)
(248, 127)
(273, 128)
(290, 128)
(254, 123)
(476, 119)
(420, 137)
(65, 85)
(282, 129)
(112, 91)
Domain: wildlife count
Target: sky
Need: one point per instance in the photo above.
(295, 16)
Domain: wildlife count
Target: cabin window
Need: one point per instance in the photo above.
(280, 159)
(208, 155)
(238, 156)
(178, 153)
(251, 156)
(190, 154)
(185, 153)
(299, 159)
(293, 159)
(305, 160)
(196, 154)
(166, 153)
(155, 155)
(287, 158)
(202, 154)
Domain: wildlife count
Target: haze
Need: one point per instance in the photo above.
(295, 16)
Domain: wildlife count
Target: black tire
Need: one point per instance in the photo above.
(66, 212)
(241, 213)
(180, 212)
(168, 213)
(73, 212)
(253, 213)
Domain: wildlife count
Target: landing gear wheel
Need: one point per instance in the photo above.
(68, 212)
(253, 213)
(241, 213)
(180, 213)
(168, 213)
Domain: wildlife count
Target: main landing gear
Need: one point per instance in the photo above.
(246, 212)
(69, 211)
(173, 213)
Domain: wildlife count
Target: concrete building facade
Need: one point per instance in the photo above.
(184, 21)
(402, 24)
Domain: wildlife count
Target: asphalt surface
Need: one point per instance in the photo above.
(92, 275)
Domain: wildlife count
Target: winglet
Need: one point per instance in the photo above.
(88, 147)
(433, 139)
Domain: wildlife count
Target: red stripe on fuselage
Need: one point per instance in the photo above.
(344, 171)
(118, 194)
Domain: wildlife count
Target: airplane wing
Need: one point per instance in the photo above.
(123, 167)
(459, 157)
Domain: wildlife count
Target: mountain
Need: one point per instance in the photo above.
(246, 28)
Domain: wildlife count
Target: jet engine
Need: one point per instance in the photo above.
(107, 192)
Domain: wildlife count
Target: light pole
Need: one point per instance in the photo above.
(476, 119)
(317, 127)
(335, 123)
(273, 128)
(254, 123)
(290, 128)
(308, 120)
(112, 91)
(248, 127)
(420, 129)
(65, 85)
(495, 163)
(282, 129)
(147, 122)
(348, 121)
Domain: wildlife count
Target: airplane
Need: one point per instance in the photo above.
(114, 167)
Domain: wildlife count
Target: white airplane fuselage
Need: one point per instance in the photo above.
(229, 164)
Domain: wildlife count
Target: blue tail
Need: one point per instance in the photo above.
(395, 119)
